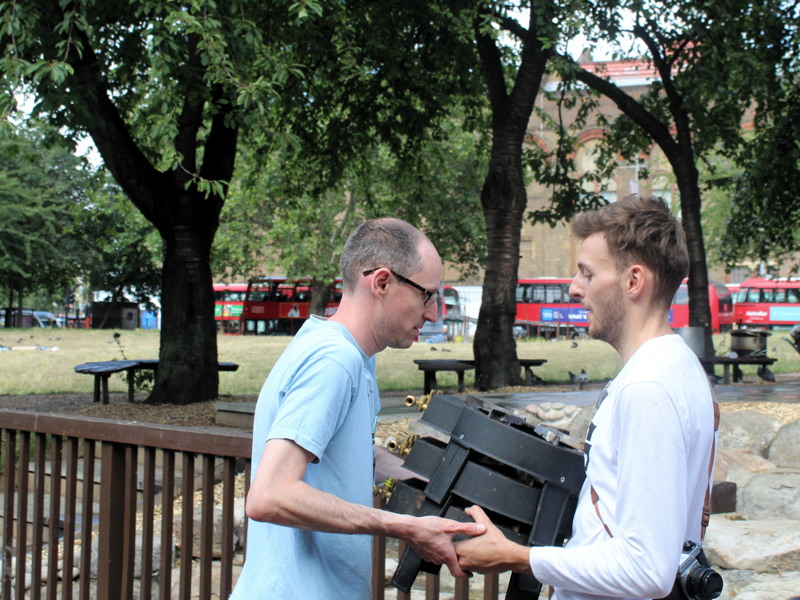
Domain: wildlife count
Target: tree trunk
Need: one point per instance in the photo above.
(503, 197)
(320, 296)
(699, 309)
(188, 370)
(680, 154)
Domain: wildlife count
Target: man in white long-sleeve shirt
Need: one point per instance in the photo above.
(649, 443)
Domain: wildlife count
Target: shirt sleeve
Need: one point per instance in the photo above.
(647, 516)
(313, 405)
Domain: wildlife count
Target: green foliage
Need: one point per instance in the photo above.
(142, 380)
(120, 251)
(38, 186)
(765, 208)
(280, 215)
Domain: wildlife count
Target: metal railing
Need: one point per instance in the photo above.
(96, 508)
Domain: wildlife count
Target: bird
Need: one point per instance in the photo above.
(574, 345)
(766, 374)
(434, 349)
(581, 379)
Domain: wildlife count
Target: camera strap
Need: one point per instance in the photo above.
(706, 517)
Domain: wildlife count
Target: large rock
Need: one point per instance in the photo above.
(748, 585)
(733, 460)
(760, 546)
(772, 495)
(784, 450)
(747, 429)
(579, 424)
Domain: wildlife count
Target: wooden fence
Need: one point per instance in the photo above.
(96, 508)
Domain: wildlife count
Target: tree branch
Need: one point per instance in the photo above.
(140, 179)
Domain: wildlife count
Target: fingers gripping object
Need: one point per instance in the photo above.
(526, 479)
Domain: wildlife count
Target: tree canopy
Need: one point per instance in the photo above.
(714, 63)
(39, 184)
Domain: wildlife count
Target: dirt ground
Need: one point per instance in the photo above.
(202, 414)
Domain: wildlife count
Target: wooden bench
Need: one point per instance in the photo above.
(727, 361)
(527, 365)
(431, 367)
(104, 369)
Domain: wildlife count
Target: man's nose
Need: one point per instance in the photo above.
(431, 312)
(575, 290)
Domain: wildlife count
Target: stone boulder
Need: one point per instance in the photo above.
(747, 429)
(784, 450)
(731, 461)
(762, 546)
(749, 585)
(772, 495)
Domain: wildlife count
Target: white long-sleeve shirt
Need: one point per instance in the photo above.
(648, 449)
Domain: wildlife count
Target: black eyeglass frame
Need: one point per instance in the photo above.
(429, 295)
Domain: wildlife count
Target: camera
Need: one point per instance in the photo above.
(695, 578)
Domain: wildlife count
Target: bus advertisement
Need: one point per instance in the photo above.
(768, 303)
(228, 306)
(545, 308)
(280, 305)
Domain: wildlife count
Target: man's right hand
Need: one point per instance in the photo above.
(432, 540)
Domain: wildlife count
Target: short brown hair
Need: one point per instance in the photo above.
(641, 230)
(384, 242)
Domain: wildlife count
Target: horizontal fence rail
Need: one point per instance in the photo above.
(96, 508)
(105, 509)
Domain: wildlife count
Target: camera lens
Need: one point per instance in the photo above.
(703, 583)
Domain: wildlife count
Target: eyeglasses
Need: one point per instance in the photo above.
(429, 296)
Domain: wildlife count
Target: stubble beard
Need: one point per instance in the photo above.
(609, 327)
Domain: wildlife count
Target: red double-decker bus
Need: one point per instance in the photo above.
(545, 308)
(768, 303)
(720, 301)
(228, 306)
(280, 305)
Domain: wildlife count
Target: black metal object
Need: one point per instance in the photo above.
(527, 484)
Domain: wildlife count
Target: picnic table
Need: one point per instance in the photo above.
(727, 361)
(431, 367)
(104, 369)
(459, 366)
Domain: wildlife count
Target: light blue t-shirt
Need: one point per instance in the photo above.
(322, 394)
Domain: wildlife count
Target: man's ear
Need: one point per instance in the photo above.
(379, 283)
(637, 278)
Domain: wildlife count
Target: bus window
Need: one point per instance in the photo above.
(552, 294)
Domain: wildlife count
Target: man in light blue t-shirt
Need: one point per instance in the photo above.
(310, 500)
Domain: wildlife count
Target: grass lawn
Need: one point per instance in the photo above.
(30, 371)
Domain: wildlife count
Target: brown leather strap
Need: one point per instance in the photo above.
(706, 502)
(595, 500)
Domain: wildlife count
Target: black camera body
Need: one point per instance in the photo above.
(695, 579)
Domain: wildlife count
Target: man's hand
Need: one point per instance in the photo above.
(491, 552)
(432, 540)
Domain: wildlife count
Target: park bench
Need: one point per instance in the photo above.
(727, 361)
(104, 369)
(526, 364)
(431, 367)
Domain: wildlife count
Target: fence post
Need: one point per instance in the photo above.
(112, 522)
